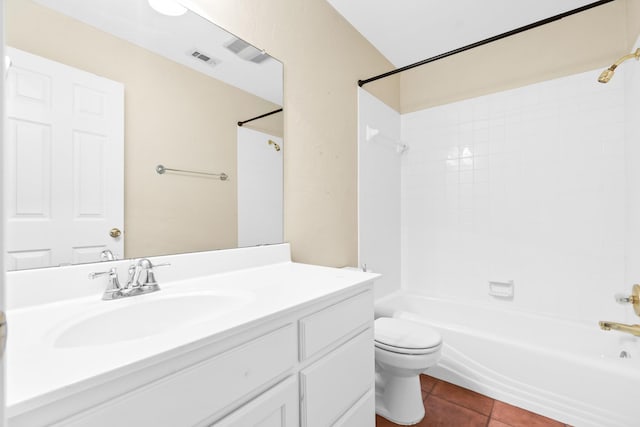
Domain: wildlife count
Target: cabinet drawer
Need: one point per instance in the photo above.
(202, 389)
(277, 407)
(336, 382)
(324, 327)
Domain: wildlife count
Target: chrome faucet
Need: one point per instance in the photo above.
(630, 329)
(141, 280)
(107, 255)
(141, 276)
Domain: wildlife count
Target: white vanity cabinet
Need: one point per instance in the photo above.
(335, 373)
(242, 337)
(311, 365)
(333, 383)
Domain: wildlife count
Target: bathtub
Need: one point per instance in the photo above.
(564, 370)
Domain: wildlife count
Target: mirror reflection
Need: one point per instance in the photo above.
(102, 92)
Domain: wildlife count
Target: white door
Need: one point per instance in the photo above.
(259, 188)
(65, 163)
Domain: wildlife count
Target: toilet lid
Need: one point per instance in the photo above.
(405, 336)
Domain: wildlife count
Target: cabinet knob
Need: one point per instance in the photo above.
(115, 232)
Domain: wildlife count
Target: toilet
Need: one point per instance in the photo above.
(403, 350)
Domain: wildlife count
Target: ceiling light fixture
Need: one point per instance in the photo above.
(167, 7)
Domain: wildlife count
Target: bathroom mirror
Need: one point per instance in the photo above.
(101, 93)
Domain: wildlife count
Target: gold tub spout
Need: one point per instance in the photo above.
(630, 329)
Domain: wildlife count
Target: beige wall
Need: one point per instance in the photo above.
(589, 40)
(633, 22)
(323, 57)
(174, 116)
(273, 125)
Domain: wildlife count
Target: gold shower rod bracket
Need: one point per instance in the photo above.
(160, 169)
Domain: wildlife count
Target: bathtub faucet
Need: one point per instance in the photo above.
(630, 329)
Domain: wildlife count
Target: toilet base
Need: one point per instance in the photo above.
(399, 399)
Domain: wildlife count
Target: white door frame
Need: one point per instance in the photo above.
(2, 213)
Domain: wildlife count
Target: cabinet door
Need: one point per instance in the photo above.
(332, 385)
(277, 407)
(362, 414)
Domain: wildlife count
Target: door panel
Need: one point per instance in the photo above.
(65, 163)
(30, 145)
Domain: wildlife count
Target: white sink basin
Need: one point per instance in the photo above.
(139, 317)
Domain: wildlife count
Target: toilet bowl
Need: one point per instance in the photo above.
(403, 350)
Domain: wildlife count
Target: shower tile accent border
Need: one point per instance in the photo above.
(448, 405)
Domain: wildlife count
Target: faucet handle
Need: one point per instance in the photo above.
(114, 284)
(97, 274)
(145, 263)
(633, 299)
(624, 298)
(164, 264)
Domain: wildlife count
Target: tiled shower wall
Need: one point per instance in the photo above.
(530, 185)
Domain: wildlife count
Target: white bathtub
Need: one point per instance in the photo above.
(564, 370)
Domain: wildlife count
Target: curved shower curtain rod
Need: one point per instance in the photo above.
(486, 41)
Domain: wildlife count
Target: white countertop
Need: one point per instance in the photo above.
(38, 372)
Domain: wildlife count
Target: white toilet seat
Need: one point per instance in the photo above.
(405, 337)
(407, 351)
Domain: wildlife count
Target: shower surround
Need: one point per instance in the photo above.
(527, 185)
(538, 186)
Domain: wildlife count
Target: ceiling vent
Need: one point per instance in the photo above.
(245, 51)
(204, 57)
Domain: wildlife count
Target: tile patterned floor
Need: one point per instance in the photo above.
(448, 405)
